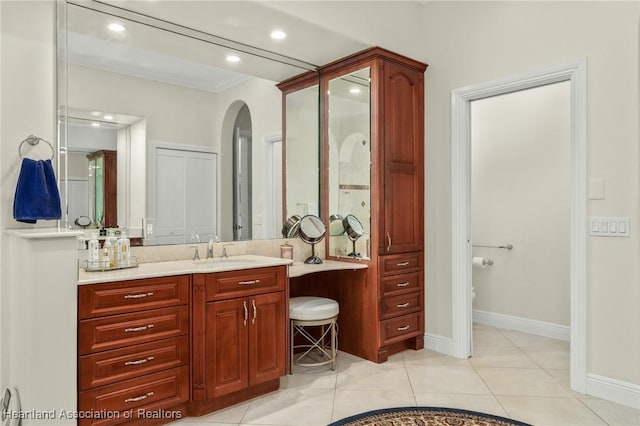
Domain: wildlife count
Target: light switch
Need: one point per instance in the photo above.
(596, 189)
(610, 226)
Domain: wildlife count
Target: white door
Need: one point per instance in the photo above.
(185, 201)
(242, 186)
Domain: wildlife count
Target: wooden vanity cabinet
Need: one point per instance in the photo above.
(239, 336)
(134, 351)
(391, 305)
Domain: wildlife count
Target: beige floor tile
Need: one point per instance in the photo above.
(489, 336)
(231, 415)
(500, 357)
(371, 376)
(291, 407)
(533, 342)
(521, 381)
(556, 359)
(481, 403)
(612, 413)
(310, 378)
(541, 411)
(426, 357)
(442, 379)
(350, 402)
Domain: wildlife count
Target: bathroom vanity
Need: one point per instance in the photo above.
(170, 339)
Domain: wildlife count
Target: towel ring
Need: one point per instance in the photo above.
(33, 141)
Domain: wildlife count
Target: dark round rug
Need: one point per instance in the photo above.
(426, 416)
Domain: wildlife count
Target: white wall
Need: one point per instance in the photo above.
(521, 196)
(469, 43)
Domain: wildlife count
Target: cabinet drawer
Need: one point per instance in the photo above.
(129, 296)
(400, 284)
(400, 263)
(152, 393)
(115, 365)
(117, 331)
(224, 285)
(400, 305)
(400, 328)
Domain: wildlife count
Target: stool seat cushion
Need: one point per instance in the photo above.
(312, 308)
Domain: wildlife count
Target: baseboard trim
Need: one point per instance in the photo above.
(525, 325)
(443, 345)
(614, 390)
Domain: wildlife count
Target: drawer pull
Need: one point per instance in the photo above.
(139, 398)
(403, 305)
(403, 264)
(405, 328)
(138, 296)
(250, 282)
(404, 284)
(136, 329)
(139, 361)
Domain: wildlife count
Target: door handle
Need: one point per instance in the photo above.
(255, 311)
(246, 313)
(389, 242)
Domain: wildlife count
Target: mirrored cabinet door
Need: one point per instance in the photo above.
(349, 164)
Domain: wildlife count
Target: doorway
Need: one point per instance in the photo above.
(242, 176)
(520, 211)
(461, 295)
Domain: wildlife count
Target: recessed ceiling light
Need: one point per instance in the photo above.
(278, 34)
(355, 90)
(118, 28)
(108, 117)
(233, 58)
(96, 113)
(94, 124)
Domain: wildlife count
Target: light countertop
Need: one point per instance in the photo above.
(182, 267)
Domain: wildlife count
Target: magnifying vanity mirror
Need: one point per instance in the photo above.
(196, 139)
(312, 231)
(349, 104)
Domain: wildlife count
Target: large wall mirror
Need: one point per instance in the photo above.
(196, 138)
(349, 117)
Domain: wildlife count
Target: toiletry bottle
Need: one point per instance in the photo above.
(109, 251)
(124, 253)
(286, 251)
(94, 250)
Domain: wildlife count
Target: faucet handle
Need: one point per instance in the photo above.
(224, 249)
(196, 255)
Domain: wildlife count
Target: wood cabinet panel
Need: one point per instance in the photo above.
(267, 340)
(108, 367)
(401, 328)
(127, 296)
(148, 393)
(224, 285)
(100, 334)
(401, 305)
(399, 284)
(226, 350)
(400, 264)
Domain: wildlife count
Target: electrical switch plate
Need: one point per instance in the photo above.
(610, 227)
(596, 189)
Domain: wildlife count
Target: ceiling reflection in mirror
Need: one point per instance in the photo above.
(198, 139)
(349, 102)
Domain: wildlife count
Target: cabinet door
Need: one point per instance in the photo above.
(267, 337)
(226, 350)
(403, 159)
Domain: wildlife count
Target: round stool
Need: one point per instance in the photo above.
(314, 312)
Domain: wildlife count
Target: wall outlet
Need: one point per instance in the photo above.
(610, 227)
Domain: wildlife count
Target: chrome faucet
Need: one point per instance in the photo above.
(196, 238)
(212, 239)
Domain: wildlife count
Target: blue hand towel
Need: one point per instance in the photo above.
(37, 195)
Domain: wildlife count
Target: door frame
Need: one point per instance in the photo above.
(576, 74)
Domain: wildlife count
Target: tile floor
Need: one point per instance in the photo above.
(511, 374)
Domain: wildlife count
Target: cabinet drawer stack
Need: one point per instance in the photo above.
(133, 351)
(402, 297)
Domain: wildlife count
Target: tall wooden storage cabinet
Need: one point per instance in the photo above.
(389, 307)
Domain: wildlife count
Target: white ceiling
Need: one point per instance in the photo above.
(148, 52)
